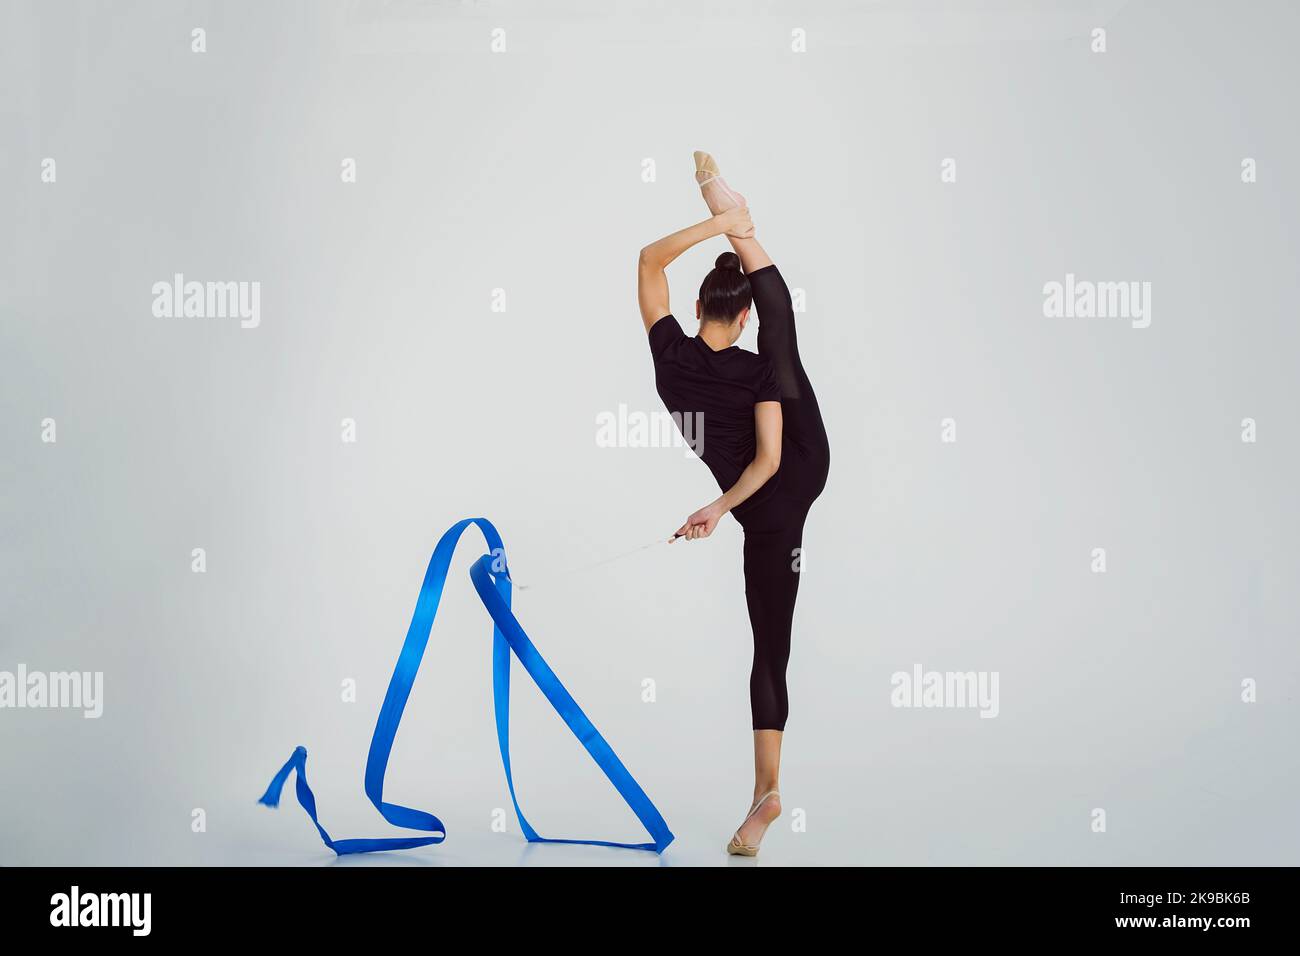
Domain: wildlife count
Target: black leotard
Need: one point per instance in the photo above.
(721, 388)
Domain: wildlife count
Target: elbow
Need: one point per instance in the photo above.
(646, 260)
(770, 462)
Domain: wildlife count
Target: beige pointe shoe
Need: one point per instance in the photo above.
(719, 196)
(735, 847)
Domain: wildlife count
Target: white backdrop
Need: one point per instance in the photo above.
(540, 171)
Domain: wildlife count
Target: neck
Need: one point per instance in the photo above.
(716, 335)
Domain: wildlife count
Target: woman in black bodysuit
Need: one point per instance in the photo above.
(757, 426)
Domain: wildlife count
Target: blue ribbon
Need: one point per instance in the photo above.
(491, 580)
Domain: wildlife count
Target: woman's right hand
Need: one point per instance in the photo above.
(736, 222)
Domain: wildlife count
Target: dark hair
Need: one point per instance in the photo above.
(725, 290)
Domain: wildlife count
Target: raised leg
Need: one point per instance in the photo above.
(719, 197)
(803, 431)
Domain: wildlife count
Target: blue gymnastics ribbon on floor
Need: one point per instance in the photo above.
(491, 580)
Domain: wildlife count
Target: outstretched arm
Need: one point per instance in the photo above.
(652, 283)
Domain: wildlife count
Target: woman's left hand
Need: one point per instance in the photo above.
(702, 523)
(736, 222)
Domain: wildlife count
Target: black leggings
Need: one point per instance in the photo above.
(773, 520)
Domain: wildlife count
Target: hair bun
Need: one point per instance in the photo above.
(728, 260)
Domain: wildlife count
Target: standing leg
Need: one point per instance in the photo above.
(771, 586)
(765, 809)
